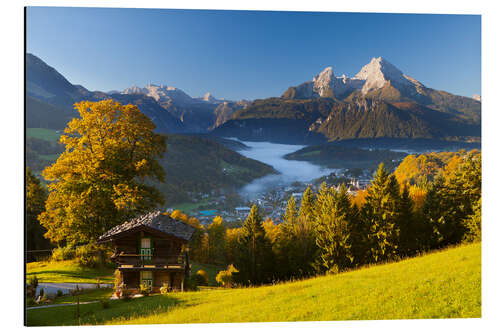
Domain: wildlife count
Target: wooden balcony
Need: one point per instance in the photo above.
(132, 261)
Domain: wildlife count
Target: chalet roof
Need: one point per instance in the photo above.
(155, 220)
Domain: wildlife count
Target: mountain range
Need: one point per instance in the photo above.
(50, 99)
(380, 101)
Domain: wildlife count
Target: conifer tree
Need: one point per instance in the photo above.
(295, 248)
(254, 257)
(333, 225)
(409, 239)
(36, 196)
(473, 224)
(216, 241)
(306, 211)
(291, 211)
(380, 214)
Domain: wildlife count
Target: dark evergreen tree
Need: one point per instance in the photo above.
(254, 257)
(295, 250)
(380, 214)
(409, 238)
(333, 230)
(291, 211)
(36, 196)
(473, 225)
(306, 211)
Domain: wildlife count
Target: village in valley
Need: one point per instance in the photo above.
(272, 202)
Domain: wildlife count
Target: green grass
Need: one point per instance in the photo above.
(191, 207)
(43, 133)
(444, 284)
(88, 295)
(67, 271)
(49, 157)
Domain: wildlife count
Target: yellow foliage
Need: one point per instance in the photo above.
(98, 181)
(359, 199)
(272, 230)
(417, 194)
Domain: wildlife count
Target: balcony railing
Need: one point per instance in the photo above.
(141, 260)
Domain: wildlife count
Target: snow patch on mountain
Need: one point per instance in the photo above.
(374, 75)
(378, 72)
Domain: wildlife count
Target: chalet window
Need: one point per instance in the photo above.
(147, 279)
(146, 249)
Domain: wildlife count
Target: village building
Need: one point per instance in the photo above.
(150, 250)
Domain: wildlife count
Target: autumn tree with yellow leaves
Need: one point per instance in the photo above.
(99, 181)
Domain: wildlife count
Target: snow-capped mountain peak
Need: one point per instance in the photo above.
(379, 71)
(162, 93)
(324, 82)
(209, 98)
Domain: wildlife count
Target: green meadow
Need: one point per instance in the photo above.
(67, 271)
(43, 134)
(445, 284)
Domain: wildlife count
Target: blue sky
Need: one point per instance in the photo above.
(249, 54)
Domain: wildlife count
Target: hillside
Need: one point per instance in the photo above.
(336, 156)
(50, 99)
(192, 164)
(196, 164)
(326, 119)
(444, 284)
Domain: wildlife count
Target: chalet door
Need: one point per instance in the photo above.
(147, 279)
(146, 249)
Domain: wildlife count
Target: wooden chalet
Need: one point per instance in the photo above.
(150, 250)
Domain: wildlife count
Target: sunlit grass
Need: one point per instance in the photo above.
(43, 133)
(68, 271)
(445, 284)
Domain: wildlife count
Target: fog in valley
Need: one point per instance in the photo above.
(290, 171)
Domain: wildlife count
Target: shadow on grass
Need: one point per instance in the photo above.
(96, 314)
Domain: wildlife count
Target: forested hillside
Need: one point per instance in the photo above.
(192, 164)
(328, 119)
(338, 156)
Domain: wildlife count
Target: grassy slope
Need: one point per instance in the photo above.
(446, 284)
(67, 271)
(43, 133)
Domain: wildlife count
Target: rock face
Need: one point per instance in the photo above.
(377, 74)
(380, 72)
(382, 80)
(162, 94)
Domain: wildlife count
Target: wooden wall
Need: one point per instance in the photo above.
(163, 246)
(174, 279)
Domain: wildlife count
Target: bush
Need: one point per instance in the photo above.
(33, 281)
(59, 293)
(201, 277)
(87, 256)
(63, 253)
(191, 283)
(30, 301)
(144, 289)
(164, 289)
(225, 278)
